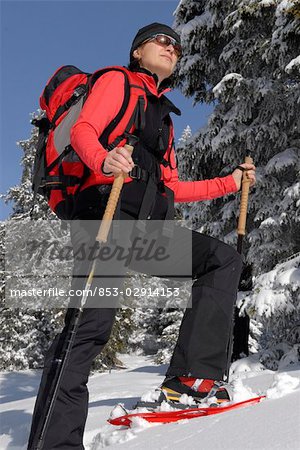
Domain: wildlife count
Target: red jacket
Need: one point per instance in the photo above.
(99, 110)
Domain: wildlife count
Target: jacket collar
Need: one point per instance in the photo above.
(151, 80)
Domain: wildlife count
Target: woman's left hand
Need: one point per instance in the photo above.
(250, 174)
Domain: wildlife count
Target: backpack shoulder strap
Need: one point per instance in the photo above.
(133, 85)
(129, 76)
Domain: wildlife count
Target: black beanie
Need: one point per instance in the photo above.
(150, 30)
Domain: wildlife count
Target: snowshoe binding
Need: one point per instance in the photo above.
(184, 392)
(200, 390)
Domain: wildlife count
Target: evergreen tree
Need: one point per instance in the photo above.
(26, 332)
(21, 195)
(184, 157)
(242, 56)
(144, 338)
(148, 314)
(169, 324)
(186, 135)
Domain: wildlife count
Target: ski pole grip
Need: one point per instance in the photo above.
(241, 229)
(112, 203)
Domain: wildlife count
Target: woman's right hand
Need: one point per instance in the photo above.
(117, 160)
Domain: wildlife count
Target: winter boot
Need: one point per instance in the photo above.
(198, 388)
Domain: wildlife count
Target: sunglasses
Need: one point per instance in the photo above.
(164, 40)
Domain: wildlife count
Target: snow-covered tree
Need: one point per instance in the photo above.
(21, 195)
(26, 332)
(169, 325)
(183, 155)
(275, 306)
(185, 136)
(243, 57)
(150, 316)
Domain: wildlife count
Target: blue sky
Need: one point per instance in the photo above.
(39, 36)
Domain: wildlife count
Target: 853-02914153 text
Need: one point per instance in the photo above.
(140, 292)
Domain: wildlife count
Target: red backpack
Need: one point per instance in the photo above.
(58, 172)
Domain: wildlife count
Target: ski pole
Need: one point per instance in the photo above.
(62, 361)
(241, 231)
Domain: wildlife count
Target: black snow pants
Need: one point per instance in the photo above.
(200, 351)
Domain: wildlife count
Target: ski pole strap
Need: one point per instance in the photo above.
(241, 168)
(241, 229)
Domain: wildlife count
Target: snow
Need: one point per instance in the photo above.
(237, 24)
(205, 20)
(283, 384)
(293, 64)
(293, 191)
(282, 160)
(283, 6)
(272, 290)
(221, 86)
(267, 3)
(272, 424)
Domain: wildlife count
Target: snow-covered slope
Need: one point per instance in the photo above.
(272, 424)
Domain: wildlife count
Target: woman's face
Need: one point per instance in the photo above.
(159, 58)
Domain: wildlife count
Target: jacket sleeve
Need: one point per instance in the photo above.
(100, 108)
(191, 191)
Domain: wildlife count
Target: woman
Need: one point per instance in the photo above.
(199, 361)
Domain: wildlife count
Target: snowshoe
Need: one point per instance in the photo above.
(177, 414)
